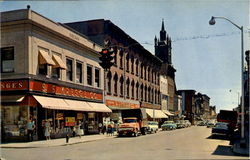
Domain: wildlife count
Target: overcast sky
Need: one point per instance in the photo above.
(207, 58)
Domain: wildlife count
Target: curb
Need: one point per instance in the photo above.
(55, 145)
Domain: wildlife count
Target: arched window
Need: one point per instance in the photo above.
(127, 62)
(141, 70)
(121, 58)
(132, 89)
(152, 95)
(137, 90)
(109, 78)
(156, 101)
(127, 87)
(145, 72)
(115, 83)
(146, 93)
(149, 74)
(121, 86)
(115, 55)
(159, 97)
(149, 94)
(137, 66)
(132, 64)
(141, 92)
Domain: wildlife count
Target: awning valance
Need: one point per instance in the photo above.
(78, 105)
(168, 113)
(12, 98)
(52, 103)
(153, 113)
(99, 107)
(59, 62)
(44, 58)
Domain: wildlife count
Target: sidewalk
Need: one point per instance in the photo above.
(239, 150)
(56, 142)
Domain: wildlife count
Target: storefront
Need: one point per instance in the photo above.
(61, 112)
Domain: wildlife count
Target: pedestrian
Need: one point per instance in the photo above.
(47, 129)
(104, 129)
(79, 131)
(30, 129)
(100, 127)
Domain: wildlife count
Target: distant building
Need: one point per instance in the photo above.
(188, 104)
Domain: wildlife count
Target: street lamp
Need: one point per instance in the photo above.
(212, 22)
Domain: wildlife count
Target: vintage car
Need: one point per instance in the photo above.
(168, 125)
(220, 129)
(152, 127)
(210, 124)
(180, 123)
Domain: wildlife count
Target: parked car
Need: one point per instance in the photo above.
(153, 126)
(188, 124)
(210, 124)
(180, 123)
(201, 123)
(220, 128)
(168, 125)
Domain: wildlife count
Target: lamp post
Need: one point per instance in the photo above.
(212, 22)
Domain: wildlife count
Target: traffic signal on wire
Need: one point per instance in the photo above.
(106, 59)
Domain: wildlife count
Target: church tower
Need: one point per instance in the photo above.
(163, 46)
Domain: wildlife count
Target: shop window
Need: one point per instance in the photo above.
(97, 77)
(78, 72)
(89, 75)
(69, 71)
(14, 120)
(7, 59)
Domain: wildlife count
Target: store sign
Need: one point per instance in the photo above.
(148, 105)
(79, 116)
(60, 90)
(14, 85)
(59, 116)
(70, 121)
(113, 103)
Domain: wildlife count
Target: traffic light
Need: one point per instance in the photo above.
(106, 59)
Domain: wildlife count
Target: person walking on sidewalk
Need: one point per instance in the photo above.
(79, 131)
(30, 129)
(100, 127)
(47, 129)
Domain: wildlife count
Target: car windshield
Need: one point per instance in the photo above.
(168, 122)
(129, 120)
(152, 123)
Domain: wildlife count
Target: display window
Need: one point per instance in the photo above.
(14, 120)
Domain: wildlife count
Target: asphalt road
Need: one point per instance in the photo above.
(188, 143)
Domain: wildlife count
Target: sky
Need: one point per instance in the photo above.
(207, 57)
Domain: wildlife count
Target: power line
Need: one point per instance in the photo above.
(203, 36)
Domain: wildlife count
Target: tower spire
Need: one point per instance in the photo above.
(162, 25)
(162, 32)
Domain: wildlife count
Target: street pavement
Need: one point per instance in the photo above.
(187, 143)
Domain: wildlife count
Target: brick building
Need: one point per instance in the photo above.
(133, 82)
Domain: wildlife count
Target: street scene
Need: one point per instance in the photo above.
(125, 80)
